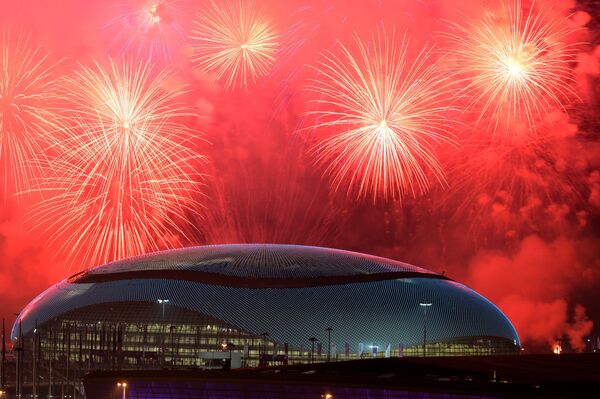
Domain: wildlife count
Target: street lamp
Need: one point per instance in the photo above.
(3, 360)
(122, 385)
(425, 306)
(228, 346)
(163, 302)
(329, 330)
(262, 354)
(312, 349)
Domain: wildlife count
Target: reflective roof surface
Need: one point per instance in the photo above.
(261, 261)
(364, 298)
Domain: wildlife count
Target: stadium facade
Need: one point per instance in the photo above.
(254, 304)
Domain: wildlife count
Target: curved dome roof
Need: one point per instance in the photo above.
(291, 291)
(256, 266)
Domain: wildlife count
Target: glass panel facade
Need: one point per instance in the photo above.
(136, 336)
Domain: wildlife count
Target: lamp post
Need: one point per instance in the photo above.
(123, 385)
(312, 349)
(228, 346)
(329, 330)
(34, 362)
(2, 365)
(425, 306)
(19, 348)
(163, 302)
(263, 345)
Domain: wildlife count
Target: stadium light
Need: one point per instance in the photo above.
(312, 350)
(329, 330)
(424, 306)
(163, 302)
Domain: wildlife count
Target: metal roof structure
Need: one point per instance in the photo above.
(292, 292)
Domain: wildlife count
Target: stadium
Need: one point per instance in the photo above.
(254, 305)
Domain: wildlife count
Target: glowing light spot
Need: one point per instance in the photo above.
(515, 67)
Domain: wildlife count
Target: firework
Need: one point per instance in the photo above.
(515, 63)
(148, 28)
(235, 42)
(125, 181)
(29, 116)
(378, 114)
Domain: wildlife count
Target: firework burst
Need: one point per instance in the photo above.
(125, 181)
(515, 63)
(379, 114)
(148, 28)
(235, 42)
(29, 115)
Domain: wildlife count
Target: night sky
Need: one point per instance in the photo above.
(431, 132)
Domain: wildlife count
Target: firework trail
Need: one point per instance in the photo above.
(234, 41)
(264, 198)
(148, 28)
(378, 114)
(29, 112)
(125, 181)
(515, 63)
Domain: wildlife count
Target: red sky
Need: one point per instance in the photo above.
(516, 222)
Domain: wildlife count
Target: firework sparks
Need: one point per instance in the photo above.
(148, 28)
(380, 114)
(125, 180)
(515, 63)
(29, 115)
(235, 42)
(260, 203)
